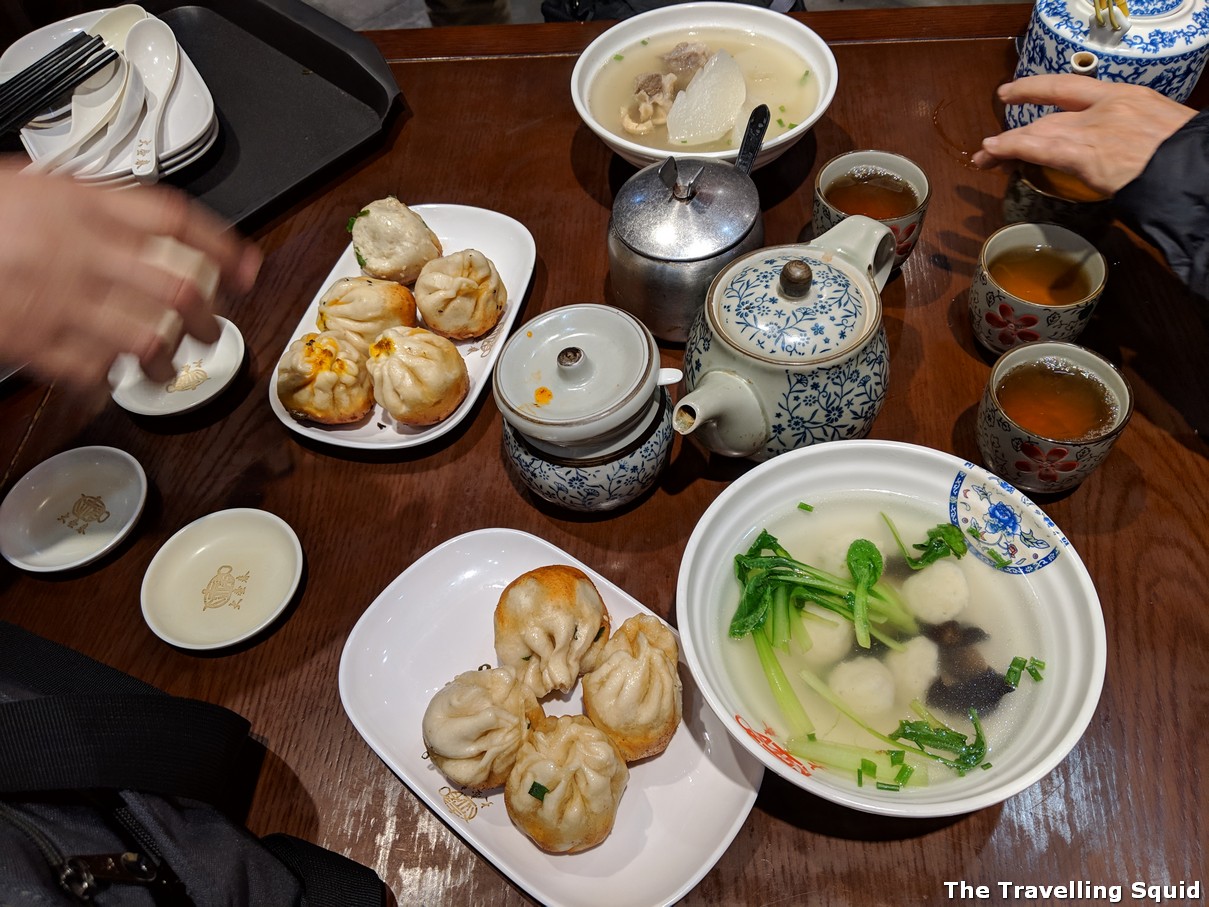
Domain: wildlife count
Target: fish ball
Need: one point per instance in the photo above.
(864, 684)
(830, 641)
(915, 667)
(937, 593)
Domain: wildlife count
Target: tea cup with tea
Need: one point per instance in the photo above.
(1034, 282)
(1043, 195)
(879, 184)
(1050, 414)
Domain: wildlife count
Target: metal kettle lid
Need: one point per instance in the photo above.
(794, 305)
(685, 209)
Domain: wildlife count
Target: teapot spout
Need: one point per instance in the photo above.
(724, 413)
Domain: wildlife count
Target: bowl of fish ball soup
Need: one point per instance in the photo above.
(682, 80)
(891, 628)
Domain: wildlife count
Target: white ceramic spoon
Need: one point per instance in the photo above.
(151, 48)
(93, 157)
(90, 112)
(112, 28)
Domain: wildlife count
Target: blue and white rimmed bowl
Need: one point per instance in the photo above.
(1006, 531)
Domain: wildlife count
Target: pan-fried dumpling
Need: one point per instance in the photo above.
(565, 786)
(419, 377)
(391, 241)
(365, 307)
(634, 695)
(461, 295)
(474, 725)
(323, 378)
(551, 625)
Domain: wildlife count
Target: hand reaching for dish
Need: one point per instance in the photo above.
(90, 274)
(1104, 132)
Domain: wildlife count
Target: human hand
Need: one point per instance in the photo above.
(86, 278)
(1104, 133)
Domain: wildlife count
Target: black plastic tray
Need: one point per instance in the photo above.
(298, 96)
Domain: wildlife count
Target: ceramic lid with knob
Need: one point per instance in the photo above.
(794, 305)
(685, 209)
(577, 374)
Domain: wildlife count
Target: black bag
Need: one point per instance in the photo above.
(109, 791)
(588, 10)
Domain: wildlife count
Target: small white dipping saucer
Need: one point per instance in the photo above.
(222, 579)
(203, 371)
(71, 508)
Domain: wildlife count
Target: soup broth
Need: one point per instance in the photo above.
(1056, 399)
(1042, 275)
(774, 75)
(1000, 605)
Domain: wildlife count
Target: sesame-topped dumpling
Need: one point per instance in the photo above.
(365, 307)
(551, 624)
(461, 295)
(419, 377)
(322, 378)
(392, 241)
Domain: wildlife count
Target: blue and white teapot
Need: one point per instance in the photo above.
(789, 349)
(1162, 44)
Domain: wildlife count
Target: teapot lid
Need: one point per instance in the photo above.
(576, 373)
(685, 209)
(794, 305)
(1153, 28)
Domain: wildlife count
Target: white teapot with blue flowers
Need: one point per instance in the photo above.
(789, 349)
(1161, 44)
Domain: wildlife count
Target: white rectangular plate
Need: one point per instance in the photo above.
(680, 810)
(511, 249)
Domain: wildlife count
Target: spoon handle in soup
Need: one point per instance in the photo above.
(753, 138)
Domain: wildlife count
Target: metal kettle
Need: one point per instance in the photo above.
(675, 225)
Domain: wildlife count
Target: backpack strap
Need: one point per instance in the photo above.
(328, 879)
(85, 725)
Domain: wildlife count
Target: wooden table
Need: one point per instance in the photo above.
(491, 124)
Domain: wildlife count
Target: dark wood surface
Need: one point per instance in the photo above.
(491, 124)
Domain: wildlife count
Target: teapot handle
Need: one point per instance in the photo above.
(865, 243)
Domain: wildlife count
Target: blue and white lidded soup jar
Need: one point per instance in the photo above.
(1161, 44)
(587, 416)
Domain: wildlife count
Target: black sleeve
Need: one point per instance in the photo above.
(1169, 202)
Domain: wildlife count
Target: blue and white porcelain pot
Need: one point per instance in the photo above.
(1162, 44)
(789, 349)
(587, 419)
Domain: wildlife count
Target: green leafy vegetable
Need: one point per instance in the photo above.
(802, 505)
(866, 565)
(944, 539)
(538, 791)
(360, 257)
(352, 220)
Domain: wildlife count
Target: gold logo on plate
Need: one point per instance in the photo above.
(225, 588)
(88, 509)
(462, 804)
(190, 377)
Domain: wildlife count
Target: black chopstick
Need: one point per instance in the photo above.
(37, 84)
(48, 63)
(40, 100)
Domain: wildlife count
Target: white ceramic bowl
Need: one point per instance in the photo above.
(1065, 620)
(221, 579)
(71, 509)
(684, 17)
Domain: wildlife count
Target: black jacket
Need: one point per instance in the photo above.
(1169, 202)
